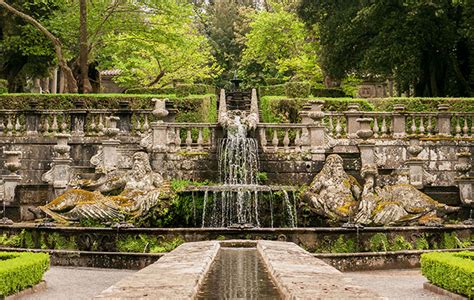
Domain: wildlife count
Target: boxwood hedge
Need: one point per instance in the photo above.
(21, 270)
(451, 271)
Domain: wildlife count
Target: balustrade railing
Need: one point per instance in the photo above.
(191, 136)
(287, 137)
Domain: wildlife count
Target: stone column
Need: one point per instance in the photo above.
(32, 119)
(415, 165)
(78, 118)
(398, 121)
(353, 114)
(316, 130)
(125, 115)
(444, 120)
(110, 146)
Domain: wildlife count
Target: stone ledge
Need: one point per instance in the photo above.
(299, 275)
(440, 291)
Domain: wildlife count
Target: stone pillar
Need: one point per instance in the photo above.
(353, 114)
(398, 121)
(32, 119)
(13, 179)
(222, 107)
(366, 147)
(125, 115)
(54, 87)
(159, 128)
(254, 103)
(316, 130)
(78, 118)
(444, 120)
(110, 146)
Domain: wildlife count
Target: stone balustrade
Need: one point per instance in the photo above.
(191, 136)
(283, 137)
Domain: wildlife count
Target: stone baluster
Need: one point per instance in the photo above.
(331, 125)
(398, 121)
(457, 128)
(352, 114)
(415, 164)
(159, 128)
(78, 119)
(384, 129)
(100, 125)
(263, 138)
(9, 126)
(199, 139)
(286, 141)
(212, 139)
(338, 127)
(18, 126)
(429, 127)
(444, 120)
(178, 138)
(32, 119)
(465, 129)
(64, 123)
(146, 125)
(413, 127)
(138, 124)
(376, 128)
(472, 126)
(421, 128)
(189, 139)
(275, 140)
(2, 125)
(298, 141)
(54, 125)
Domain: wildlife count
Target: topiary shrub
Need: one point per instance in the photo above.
(3, 86)
(151, 91)
(451, 271)
(184, 90)
(328, 93)
(272, 90)
(297, 89)
(21, 270)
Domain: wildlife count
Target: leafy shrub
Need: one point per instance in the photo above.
(379, 242)
(297, 89)
(146, 244)
(328, 93)
(151, 91)
(450, 271)
(272, 90)
(3, 86)
(21, 270)
(184, 90)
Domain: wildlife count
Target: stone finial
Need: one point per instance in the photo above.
(353, 107)
(415, 146)
(160, 110)
(316, 113)
(112, 130)
(463, 164)
(61, 147)
(443, 107)
(399, 108)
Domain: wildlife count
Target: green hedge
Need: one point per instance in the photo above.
(272, 90)
(21, 270)
(3, 86)
(450, 271)
(181, 90)
(328, 93)
(297, 89)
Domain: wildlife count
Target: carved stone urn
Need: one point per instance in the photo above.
(463, 164)
(13, 161)
(61, 147)
(365, 132)
(160, 110)
(414, 147)
(316, 113)
(112, 130)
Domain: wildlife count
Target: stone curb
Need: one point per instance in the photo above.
(27, 292)
(440, 291)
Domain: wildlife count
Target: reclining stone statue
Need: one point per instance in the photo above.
(138, 191)
(337, 196)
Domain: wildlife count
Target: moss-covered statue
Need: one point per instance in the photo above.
(336, 195)
(139, 192)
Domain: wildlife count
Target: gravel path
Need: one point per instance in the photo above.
(77, 283)
(395, 284)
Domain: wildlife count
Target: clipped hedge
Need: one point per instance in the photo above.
(328, 93)
(21, 270)
(272, 90)
(181, 90)
(297, 89)
(451, 271)
(3, 86)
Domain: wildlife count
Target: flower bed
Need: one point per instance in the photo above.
(451, 271)
(21, 270)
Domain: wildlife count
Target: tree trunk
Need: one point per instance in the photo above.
(84, 48)
(71, 81)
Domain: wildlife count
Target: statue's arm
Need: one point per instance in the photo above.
(109, 182)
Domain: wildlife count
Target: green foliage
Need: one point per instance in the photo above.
(146, 244)
(379, 242)
(449, 271)
(344, 245)
(184, 90)
(422, 45)
(279, 46)
(272, 90)
(262, 177)
(297, 89)
(465, 254)
(399, 243)
(3, 86)
(451, 241)
(328, 93)
(421, 243)
(57, 241)
(10, 241)
(21, 270)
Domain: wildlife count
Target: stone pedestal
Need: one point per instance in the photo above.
(444, 120)
(352, 124)
(415, 167)
(110, 154)
(10, 183)
(367, 153)
(398, 121)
